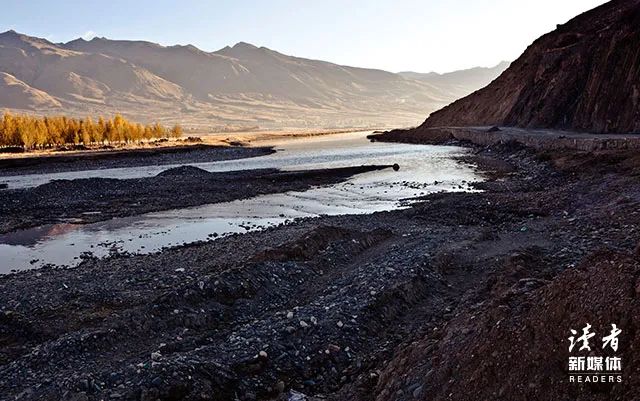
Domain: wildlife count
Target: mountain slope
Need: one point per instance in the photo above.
(22, 96)
(460, 83)
(584, 76)
(198, 72)
(249, 70)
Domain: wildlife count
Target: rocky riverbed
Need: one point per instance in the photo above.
(463, 296)
(98, 199)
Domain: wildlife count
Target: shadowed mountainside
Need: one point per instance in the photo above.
(584, 76)
(243, 85)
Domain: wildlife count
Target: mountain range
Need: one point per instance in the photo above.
(234, 87)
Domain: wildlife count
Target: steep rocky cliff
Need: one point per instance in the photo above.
(583, 76)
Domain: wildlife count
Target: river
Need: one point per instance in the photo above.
(423, 169)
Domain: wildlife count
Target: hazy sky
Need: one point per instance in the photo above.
(396, 35)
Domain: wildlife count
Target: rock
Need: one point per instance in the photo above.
(417, 392)
(185, 171)
(114, 377)
(289, 315)
(303, 324)
(77, 397)
(296, 396)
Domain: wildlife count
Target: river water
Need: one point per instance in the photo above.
(423, 169)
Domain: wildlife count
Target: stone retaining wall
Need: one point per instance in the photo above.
(539, 141)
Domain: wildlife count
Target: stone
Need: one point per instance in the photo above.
(417, 392)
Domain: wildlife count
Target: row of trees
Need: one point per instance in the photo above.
(32, 132)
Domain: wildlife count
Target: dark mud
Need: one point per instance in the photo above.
(464, 296)
(97, 199)
(93, 160)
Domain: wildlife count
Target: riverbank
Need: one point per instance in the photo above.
(537, 139)
(166, 155)
(202, 146)
(269, 138)
(385, 306)
(208, 147)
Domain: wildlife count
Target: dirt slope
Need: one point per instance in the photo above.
(585, 76)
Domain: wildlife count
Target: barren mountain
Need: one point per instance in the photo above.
(585, 76)
(237, 86)
(67, 74)
(460, 83)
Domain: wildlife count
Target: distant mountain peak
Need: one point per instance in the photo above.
(75, 41)
(23, 41)
(11, 34)
(244, 45)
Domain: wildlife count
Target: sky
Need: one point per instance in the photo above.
(394, 35)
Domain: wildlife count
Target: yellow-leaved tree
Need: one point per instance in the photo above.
(30, 132)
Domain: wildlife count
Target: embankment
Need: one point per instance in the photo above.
(538, 139)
